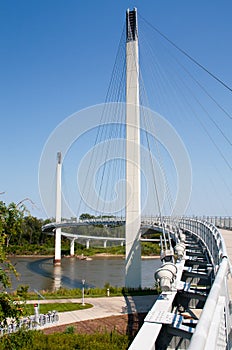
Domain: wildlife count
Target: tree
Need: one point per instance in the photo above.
(11, 217)
(86, 216)
(32, 230)
(9, 223)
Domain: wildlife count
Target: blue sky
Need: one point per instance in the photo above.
(57, 58)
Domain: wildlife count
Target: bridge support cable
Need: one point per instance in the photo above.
(165, 241)
(104, 177)
(149, 129)
(173, 79)
(182, 67)
(188, 56)
(148, 123)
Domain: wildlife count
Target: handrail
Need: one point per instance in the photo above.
(218, 221)
(200, 336)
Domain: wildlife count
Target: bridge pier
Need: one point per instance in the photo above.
(57, 258)
(105, 243)
(87, 243)
(72, 246)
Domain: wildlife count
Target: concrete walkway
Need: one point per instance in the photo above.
(227, 236)
(102, 307)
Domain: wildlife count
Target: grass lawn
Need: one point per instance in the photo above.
(60, 307)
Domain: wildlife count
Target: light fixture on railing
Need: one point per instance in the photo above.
(180, 250)
(165, 276)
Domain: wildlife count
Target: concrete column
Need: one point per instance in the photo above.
(133, 207)
(57, 259)
(105, 243)
(87, 243)
(72, 246)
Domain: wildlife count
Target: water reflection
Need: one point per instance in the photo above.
(57, 277)
(41, 274)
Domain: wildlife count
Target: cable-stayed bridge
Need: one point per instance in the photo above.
(193, 310)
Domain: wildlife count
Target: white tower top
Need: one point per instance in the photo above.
(131, 25)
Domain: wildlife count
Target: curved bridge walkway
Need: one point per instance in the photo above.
(227, 236)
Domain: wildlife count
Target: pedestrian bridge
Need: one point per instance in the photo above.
(193, 310)
(147, 223)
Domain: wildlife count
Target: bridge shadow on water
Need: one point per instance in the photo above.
(55, 274)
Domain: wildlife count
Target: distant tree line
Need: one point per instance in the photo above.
(23, 234)
(87, 216)
(20, 227)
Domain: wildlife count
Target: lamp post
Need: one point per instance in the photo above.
(39, 296)
(83, 292)
(36, 306)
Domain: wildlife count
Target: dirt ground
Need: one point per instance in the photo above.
(124, 324)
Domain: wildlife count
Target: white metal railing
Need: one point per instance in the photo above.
(216, 311)
(214, 326)
(210, 237)
(215, 315)
(30, 322)
(218, 221)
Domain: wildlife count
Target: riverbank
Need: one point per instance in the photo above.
(98, 255)
(107, 255)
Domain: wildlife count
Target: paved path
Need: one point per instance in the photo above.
(102, 307)
(227, 235)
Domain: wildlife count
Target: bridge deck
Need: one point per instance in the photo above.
(227, 235)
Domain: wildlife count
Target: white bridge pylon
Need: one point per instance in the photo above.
(133, 181)
(133, 178)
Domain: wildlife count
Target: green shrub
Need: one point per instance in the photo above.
(19, 340)
(69, 330)
(35, 340)
(89, 292)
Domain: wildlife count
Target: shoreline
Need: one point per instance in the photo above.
(106, 255)
(99, 255)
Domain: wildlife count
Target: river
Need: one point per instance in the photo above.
(40, 274)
